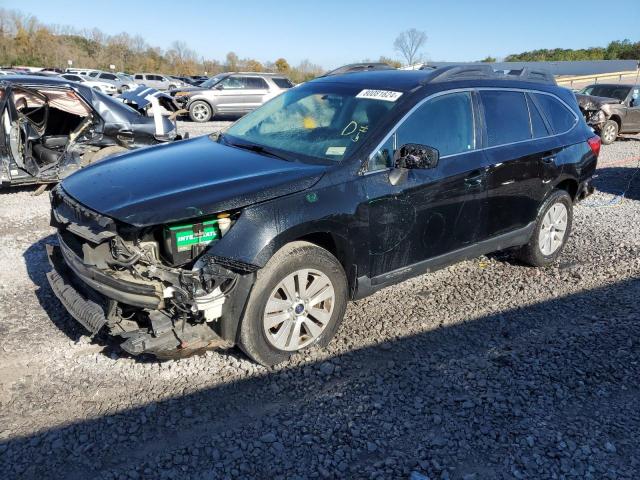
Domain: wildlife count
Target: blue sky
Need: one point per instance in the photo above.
(334, 32)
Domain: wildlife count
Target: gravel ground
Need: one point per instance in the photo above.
(484, 370)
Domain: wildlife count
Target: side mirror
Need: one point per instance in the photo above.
(219, 87)
(414, 155)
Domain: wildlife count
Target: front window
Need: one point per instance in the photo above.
(445, 122)
(322, 121)
(619, 92)
(233, 83)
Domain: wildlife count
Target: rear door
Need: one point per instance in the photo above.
(518, 143)
(255, 92)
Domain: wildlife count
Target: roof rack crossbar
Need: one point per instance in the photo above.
(483, 71)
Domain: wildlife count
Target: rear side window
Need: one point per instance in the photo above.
(108, 76)
(138, 77)
(282, 82)
(255, 83)
(444, 122)
(538, 127)
(559, 117)
(506, 117)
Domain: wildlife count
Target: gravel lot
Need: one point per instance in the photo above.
(484, 370)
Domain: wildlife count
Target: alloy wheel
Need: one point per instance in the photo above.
(609, 133)
(298, 310)
(200, 112)
(554, 226)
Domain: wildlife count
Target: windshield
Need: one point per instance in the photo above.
(212, 81)
(619, 92)
(126, 78)
(321, 120)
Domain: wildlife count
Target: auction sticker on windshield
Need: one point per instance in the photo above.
(386, 95)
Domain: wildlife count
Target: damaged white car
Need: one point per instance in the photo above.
(51, 127)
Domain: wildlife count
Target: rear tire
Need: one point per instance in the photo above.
(200, 111)
(551, 232)
(287, 310)
(609, 132)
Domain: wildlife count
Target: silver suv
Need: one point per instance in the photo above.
(230, 94)
(157, 81)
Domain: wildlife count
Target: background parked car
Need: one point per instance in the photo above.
(104, 87)
(99, 85)
(157, 81)
(611, 109)
(121, 84)
(54, 127)
(230, 94)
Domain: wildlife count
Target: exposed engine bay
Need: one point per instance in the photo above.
(155, 287)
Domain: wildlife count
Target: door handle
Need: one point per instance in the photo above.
(474, 180)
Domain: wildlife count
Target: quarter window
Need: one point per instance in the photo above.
(558, 116)
(506, 117)
(138, 77)
(444, 122)
(282, 82)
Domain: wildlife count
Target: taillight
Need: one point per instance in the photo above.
(595, 143)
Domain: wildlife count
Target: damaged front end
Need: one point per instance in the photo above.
(596, 110)
(157, 288)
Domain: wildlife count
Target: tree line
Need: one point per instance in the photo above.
(616, 50)
(24, 41)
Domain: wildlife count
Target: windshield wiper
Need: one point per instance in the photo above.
(257, 149)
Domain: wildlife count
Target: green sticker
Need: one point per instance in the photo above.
(312, 197)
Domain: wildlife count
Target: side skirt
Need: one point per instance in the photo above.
(366, 286)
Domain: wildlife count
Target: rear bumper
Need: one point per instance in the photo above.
(585, 189)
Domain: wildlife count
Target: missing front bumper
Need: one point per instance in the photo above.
(89, 312)
(90, 308)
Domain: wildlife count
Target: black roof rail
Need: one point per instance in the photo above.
(484, 71)
(542, 76)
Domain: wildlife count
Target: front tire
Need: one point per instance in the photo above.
(551, 232)
(298, 300)
(609, 132)
(200, 111)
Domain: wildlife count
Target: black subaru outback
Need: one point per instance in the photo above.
(344, 185)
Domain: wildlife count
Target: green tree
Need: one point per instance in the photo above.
(282, 66)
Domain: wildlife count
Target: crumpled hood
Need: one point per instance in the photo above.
(185, 179)
(190, 89)
(591, 102)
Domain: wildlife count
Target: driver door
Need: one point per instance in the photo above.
(632, 123)
(231, 95)
(434, 211)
